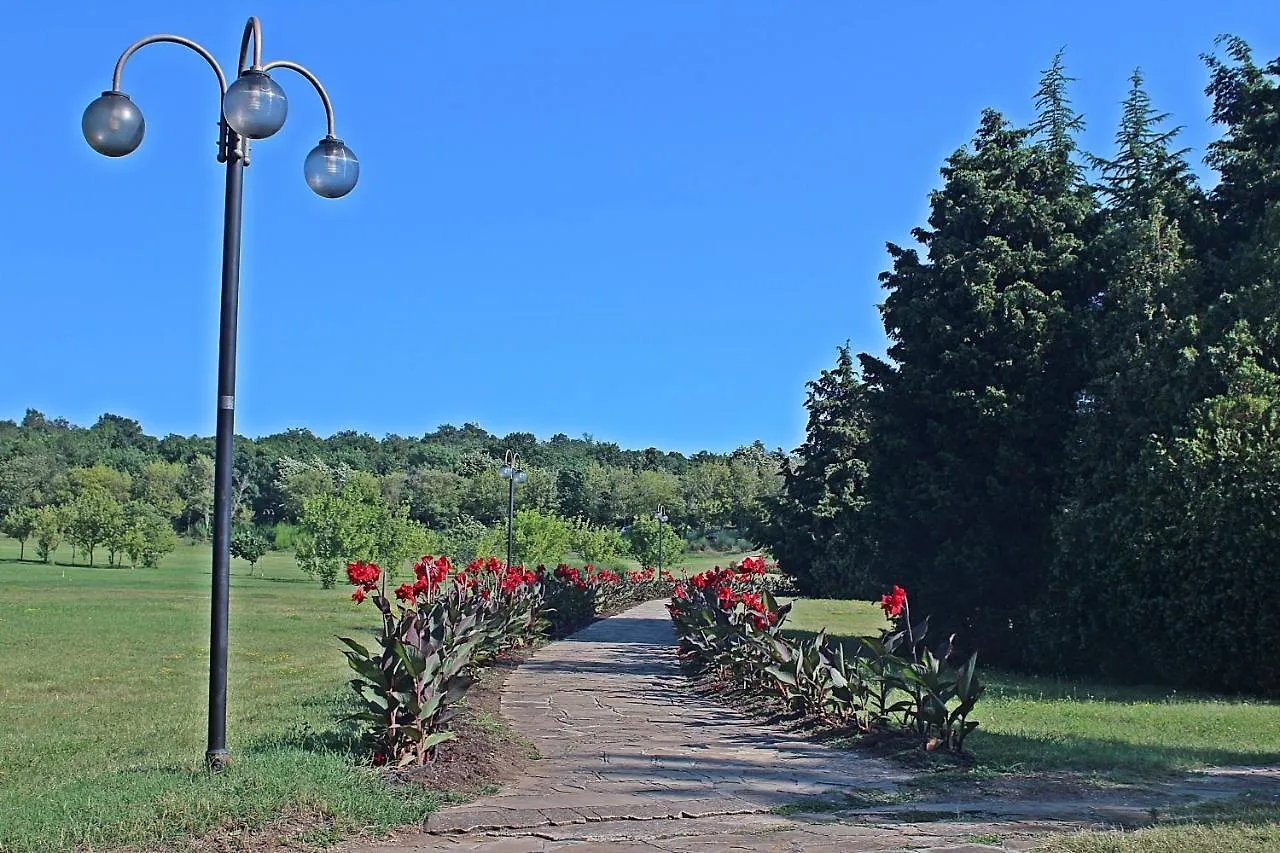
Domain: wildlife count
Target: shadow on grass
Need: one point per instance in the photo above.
(275, 580)
(1018, 753)
(322, 727)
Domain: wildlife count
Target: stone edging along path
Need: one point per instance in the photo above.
(634, 761)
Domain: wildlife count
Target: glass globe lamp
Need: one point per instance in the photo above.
(331, 169)
(255, 106)
(113, 125)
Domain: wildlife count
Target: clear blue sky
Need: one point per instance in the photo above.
(651, 222)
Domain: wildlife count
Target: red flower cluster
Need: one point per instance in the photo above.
(893, 603)
(363, 576)
(727, 597)
(589, 577)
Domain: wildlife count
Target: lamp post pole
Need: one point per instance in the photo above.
(216, 754)
(252, 107)
(662, 517)
(511, 472)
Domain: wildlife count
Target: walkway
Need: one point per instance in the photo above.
(634, 761)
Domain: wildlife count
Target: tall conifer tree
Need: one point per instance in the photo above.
(972, 412)
(814, 527)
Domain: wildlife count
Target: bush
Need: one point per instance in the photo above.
(1175, 578)
(284, 535)
(463, 539)
(540, 538)
(597, 545)
(249, 545)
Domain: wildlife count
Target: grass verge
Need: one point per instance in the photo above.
(103, 698)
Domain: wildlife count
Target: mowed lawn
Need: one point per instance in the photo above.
(103, 704)
(104, 692)
(1038, 724)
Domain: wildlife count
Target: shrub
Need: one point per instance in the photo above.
(540, 538)
(283, 535)
(594, 544)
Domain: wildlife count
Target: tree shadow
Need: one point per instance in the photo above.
(1020, 752)
(641, 630)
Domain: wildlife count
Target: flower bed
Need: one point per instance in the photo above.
(438, 631)
(730, 626)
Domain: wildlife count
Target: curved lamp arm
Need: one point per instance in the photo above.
(252, 28)
(324, 96)
(167, 37)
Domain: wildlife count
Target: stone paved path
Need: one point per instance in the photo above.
(634, 761)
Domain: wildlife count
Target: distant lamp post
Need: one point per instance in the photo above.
(252, 107)
(661, 516)
(511, 472)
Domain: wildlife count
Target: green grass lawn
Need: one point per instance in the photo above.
(103, 703)
(1038, 724)
(104, 692)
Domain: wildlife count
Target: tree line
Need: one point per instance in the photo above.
(1071, 455)
(294, 489)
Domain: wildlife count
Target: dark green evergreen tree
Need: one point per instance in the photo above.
(814, 526)
(971, 414)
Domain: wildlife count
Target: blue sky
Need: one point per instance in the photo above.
(651, 222)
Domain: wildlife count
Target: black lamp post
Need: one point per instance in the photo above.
(252, 107)
(662, 518)
(512, 474)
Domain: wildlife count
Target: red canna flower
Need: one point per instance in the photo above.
(893, 603)
(363, 575)
(358, 596)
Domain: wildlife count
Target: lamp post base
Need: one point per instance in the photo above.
(217, 760)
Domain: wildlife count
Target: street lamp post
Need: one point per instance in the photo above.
(662, 518)
(252, 107)
(512, 474)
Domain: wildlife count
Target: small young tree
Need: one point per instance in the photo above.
(340, 529)
(643, 538)
(249, 545)
(20, 524)
(50, 528)
(400, 539)
(95, 516)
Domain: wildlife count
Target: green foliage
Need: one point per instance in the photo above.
(400, 539)
(117, 484)
(540, 538)
(148, 535)
(464, 538)
(283, 535)
(95, 517)
(1168, 516)
(644, 539)
(969, 420)
(597, 545)
(336, 529)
